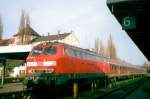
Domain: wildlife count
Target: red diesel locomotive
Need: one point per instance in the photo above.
(59, 63)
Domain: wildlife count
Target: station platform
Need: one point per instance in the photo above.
(143, 92)
(11, 87)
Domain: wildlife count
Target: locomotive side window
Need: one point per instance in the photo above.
(82, 55)
(66, 51)
(77, 53)
(88, 56)
(92, 57)
(69, 52)
(50, 50)
(36, 51)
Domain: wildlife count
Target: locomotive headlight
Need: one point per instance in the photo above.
(49, 63)
(31, 63)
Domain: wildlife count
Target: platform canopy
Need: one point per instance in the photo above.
(134, 16)
(19, 52)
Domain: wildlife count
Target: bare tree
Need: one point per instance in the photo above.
(1, 28)
(24, 29)
(102, 49)
(111, 49)
(97, 45)
(99, 48)
(21, 28)
(27, 20)
(22, 21)
(27, 30)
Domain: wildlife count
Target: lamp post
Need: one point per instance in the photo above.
(3, 61)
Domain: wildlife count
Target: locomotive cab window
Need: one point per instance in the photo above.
(36, 51)
(50, 50)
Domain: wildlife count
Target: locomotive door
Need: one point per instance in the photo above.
(70, 60)
(72, 65)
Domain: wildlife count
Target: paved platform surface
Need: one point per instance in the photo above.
(142, 92)
(11, 87)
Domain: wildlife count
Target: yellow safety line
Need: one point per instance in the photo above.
(26, 97)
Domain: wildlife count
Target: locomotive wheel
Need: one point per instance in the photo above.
(95, 84)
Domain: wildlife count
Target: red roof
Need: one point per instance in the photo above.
(7, 42)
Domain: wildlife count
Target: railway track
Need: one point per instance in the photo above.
(122, 92)
(15, 95)
(114, 93)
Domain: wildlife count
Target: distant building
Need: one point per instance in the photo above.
(28, 36)
(7, 42)
(25, 36)
(68, 38)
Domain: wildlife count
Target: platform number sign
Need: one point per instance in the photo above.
(129, 22)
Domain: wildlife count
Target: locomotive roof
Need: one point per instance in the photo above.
(112, 61)
(51, 37)
(70, 46)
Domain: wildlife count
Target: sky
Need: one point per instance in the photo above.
(88, 19)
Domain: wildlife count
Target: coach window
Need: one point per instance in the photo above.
(120, 67)
(124, 68)
(50, 50)
(114, 67)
